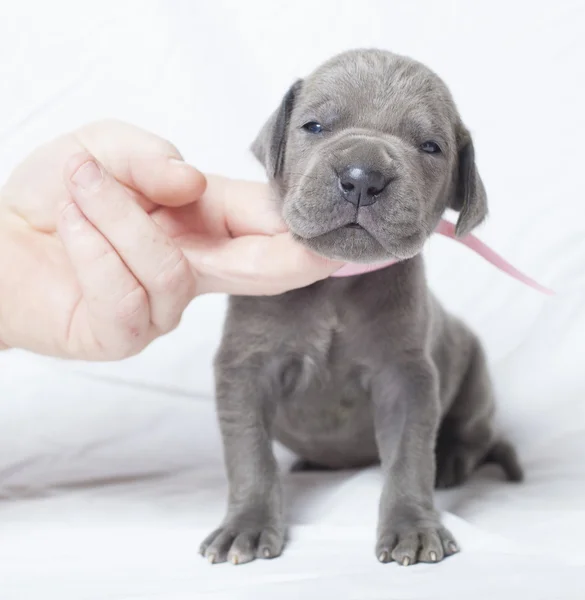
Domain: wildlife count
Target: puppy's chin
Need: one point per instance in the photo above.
(347, 244)
(325, 228)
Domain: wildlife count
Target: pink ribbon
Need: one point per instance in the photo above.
(448, 230)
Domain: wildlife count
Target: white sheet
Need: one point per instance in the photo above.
(111, 474)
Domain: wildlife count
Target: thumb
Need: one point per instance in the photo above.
(143, 162)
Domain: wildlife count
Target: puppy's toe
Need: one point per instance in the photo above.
(243, 548)
(216, 546)
(405, 552)
(448, 542)
(384, 547)
(270, 544)
(431, 547)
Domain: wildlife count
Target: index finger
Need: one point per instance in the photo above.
(243, 207)
(255, 264)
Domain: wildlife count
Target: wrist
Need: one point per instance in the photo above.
(8, 233)
(4, 234)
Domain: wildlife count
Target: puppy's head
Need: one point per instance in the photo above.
(366, 155)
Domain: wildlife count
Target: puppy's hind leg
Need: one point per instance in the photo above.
(466, 437)
(502, 453)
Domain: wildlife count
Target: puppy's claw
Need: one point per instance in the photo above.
(266, 553)
(453, 547)
(235, 559)
(406, 561)
(433, 556)
(383, 557)
(211, 558)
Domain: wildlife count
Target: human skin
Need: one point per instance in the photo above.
(107, 234)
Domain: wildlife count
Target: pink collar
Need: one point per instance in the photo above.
(448, 229)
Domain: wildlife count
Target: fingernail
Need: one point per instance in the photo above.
(181, 161)
(88, 176)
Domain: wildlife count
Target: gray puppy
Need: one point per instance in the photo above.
(364, 157)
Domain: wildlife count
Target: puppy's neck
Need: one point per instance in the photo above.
(448, 229)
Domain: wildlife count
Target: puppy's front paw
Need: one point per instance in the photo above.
(240, 541)
(415, 544)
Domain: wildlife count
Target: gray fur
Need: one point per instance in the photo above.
(347, 372)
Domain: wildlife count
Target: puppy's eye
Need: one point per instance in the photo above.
(430, 147)
(313, 127)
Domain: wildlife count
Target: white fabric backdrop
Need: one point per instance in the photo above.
(111, 473)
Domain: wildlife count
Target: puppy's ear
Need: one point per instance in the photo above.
(270, 145)
(469, 198)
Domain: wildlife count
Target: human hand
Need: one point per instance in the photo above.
(98, 273)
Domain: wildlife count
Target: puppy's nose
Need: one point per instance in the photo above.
(361, 186)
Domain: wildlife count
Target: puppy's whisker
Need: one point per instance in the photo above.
(336, 157)
(305, 176)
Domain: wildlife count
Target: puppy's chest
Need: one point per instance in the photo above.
(322, 341)
(321, 373)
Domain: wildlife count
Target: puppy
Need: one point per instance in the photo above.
(364, 156)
